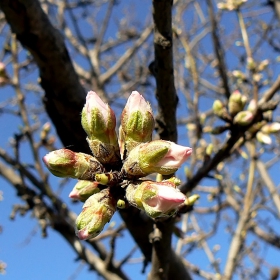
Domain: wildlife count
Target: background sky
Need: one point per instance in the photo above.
(29, 256)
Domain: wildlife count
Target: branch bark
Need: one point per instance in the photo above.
(64, 95)
(166, 126)
(163, 70)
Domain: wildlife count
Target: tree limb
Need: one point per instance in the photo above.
(64, 95)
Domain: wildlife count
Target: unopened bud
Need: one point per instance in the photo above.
(137, 122)
(263, 65)
(263, 138)
(219, 108)
(65, 163)
(251, 64)
(99, 122)
(84, 189)
(236, 102)
(45, 130)
(252, 106)
(257, 77)
(121, 204)
(192, 199)
(157, 199)
(239, 75)
(157, 156)
(271, 128)
(109, 178)
(267, 115)
(97, 211)
(209, 149)
(174, 180)
(243, 118)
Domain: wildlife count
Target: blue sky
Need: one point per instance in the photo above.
(31, 257)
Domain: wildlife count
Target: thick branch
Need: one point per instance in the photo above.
(64, 95)
(163, 70)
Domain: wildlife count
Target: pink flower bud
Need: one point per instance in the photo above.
(137, 122)
(65, 163)
(156, 198)
(97, 211)
(243, 118)
(99, 122)
(84, 189)
(252, 106)
(159, 156)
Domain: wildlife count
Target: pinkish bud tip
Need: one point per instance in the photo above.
(82, 234)
(74, 194)
(176, 156)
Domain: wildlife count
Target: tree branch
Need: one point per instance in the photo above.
(64, 95)
(163, 70)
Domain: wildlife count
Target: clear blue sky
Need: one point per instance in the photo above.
(31, 257)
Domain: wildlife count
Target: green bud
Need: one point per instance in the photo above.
(137, 122)
(263, 138)
(174, 180)
(219, 108)
(251, 64)
(121, 204)
(99, 122)
(65, 163)
(84, 189)
(209, 149)
(243, 118)
(252, 106)
(271, 128)
(236, 102)
(192, 199)
(157, 156)
(263, 65)
(97, 211)
(112, 178)
(239, 75)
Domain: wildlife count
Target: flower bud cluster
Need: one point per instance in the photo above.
(235, 114)
(263, 136)
(110, 178)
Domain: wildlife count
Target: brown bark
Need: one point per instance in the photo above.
(64, 95)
